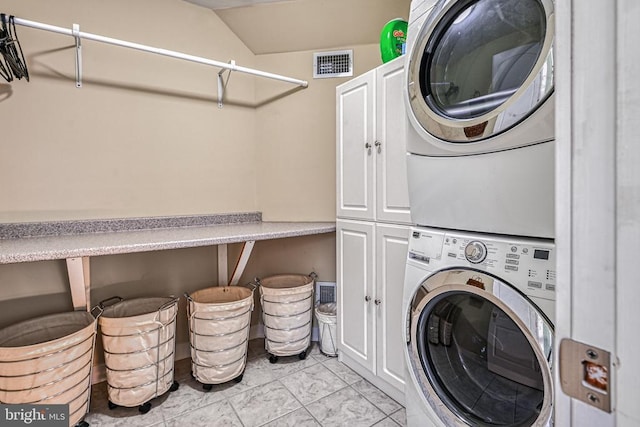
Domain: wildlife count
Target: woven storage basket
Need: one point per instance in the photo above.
(138, 336)
(219, 322)
(48, 360)
(287, 312)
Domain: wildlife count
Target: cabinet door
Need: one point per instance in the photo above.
(355, 282)
(355, 127)
(392, 197)
(392, 243)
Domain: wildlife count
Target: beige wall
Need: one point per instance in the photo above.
(297, 133)
(144, 137)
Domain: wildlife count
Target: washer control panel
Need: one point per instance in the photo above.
(528, 264)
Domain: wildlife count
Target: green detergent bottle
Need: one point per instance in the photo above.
(393, 39)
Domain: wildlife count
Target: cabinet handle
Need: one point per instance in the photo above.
(377, 301)
(367, 298)
(378, 145)
(368, 147)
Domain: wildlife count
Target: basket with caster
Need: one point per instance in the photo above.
(138, 336)
(48, 361)
(287, 302)
(219, 320)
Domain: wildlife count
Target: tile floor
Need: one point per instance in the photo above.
(317, 391)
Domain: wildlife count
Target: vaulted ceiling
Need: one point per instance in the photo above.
(271, 26)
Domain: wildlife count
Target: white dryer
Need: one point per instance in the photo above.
(479, 95)
(478, 311)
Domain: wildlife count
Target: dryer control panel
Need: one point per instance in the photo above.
(528, 264)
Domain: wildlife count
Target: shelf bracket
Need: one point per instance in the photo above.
(75, 31)
(223, 270)
(221, 83)
(247, 247)
(79, 282)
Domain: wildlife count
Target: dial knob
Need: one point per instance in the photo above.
(475, 252)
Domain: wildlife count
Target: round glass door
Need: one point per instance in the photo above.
(479, 362)
(469, 65)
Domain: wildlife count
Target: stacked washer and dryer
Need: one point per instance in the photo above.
(479, 292)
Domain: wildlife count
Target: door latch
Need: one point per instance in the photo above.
(584, 373)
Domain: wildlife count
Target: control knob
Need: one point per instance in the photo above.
(475, 252)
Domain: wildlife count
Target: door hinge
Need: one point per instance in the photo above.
(585, 372)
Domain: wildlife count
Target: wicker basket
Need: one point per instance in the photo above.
(48, 360)
(219, 321)
(287, 312)
(138, 336)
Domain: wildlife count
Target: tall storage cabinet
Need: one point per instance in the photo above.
(373, 224)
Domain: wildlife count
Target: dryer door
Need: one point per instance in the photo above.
(480, 67)
(480, 351)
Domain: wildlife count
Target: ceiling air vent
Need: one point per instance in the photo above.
(333, 64)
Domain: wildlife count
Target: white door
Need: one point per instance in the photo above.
(598, 202)
(392, 242)
(355, 281)
(355, 127)
(392, 197)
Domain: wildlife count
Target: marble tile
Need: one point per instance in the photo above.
(400, 417)
(342, 370)
(298, 418)
(190, 395)
(318, 355)
(288, 365)
(387, 422)
(312, 383)
(219, 414)
(100, 415)
(270, 395)
(263, 404)
(257, 372)
(375, 396)
(121, 416)
(345, 407)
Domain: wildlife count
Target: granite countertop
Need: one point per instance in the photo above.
(23, 246)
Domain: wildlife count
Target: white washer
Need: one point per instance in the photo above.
(479, 312)
(479, 95)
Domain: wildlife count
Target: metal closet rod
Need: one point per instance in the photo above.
(173, 54)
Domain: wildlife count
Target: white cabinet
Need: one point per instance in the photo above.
(371, 146)
(373, 225)
(355, 284)
(371, 260)
(392, 244)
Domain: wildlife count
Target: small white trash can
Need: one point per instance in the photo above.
(327, 326)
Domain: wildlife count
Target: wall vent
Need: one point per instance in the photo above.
(338, 63)
(325, 292)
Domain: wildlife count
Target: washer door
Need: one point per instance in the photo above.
(479, 67)
(480, 351)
